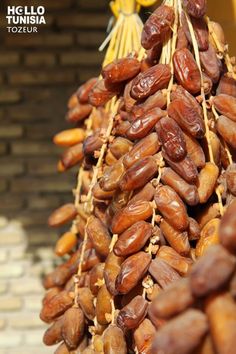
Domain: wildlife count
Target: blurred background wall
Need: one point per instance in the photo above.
(38, 72)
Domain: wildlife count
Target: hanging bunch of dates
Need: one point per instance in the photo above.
(150, 267)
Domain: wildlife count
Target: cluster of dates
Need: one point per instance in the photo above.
(155, 206)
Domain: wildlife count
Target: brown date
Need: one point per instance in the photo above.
(145, 147)
(182, 40)
(132, 314)
(200, 31)
(84, 90)
(150, 81)
(172, 139)
(178, 240)
(78, 113)
(111, 271)
(95, 274)
(144, 124)
(212, 271)
(154, 54)
(73, 327)
(121, 70)
(186, 70)
(145, 194)
(129, 215)
(139, 174)
(100, 194)
(185, 168)
(157, 100)
(187, 117)
(158, 27)
(162, 272)
(193, 230)
(195, 151)
(180, 93)
(56, 306)
(171, 207)
(226, 105)
(62, 349)
(98, 235)
(111, 177)
(207, 179)
(114, 341)
(128, 100)
(101, 93)
(211, 65)
(92, 143)
(120, 146)
(133, 239)
(72, 156)
(188, 192)
(62, 215)
(227, 129)
(195, 8)
(221, 313)
(228, 228)
(143, 336)
(86, 301)
(181, 334)
(227, 86)
(231, 178)
(103, 305)
(174, 300)
(175, 260)
(132, 270)
(53, 334)
(209, 236)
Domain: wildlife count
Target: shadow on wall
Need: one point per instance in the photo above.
(21, 291)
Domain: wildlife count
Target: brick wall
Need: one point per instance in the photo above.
(21, 291)
(38, 72)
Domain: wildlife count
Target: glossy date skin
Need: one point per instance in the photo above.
(99, 236)
(188, 192)
(132, 270)
(62, 215)
(187, 117)
(178, 240)
(144, 125)
(158, 27)
(132, 314)
(171, 207)
(227, 129)
(172, 139)
(150, 81)
(129, 215)
(195, 8)
(111, 271)
(139, 174)
(226, 105)
(185, 168)
(163, 273)
(121, 70)
(73, 327)
(133, 239)
(200, 30)
(211, 64)
(84, 90)
(186, 70)
(147, 146)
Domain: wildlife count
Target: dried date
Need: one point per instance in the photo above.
(171, 207)
(132, 270)
(158, 27)
(150, 81)
(121, 70)
(195, 8)
(132, 314)
(227, 129)
(133, 239)
(186, 70)
(172, 139)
